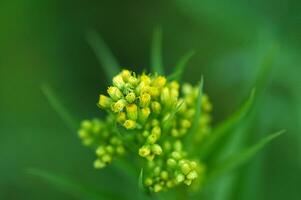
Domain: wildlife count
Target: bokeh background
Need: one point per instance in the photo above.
(44, 42)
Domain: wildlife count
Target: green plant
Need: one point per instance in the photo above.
(154, 128)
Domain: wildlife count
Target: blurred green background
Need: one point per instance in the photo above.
(44, 42)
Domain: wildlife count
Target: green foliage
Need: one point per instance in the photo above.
(156, 52)
(57, 105)
(225, 128)
(73, 187)
(240, 158)
(103, 53)
(180, 66)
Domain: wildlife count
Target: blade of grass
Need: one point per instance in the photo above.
(57, 105)
(156, 52)
(103, 53)
(198, 111)
(224, 129)
(140, 181)
(179, 69)
(71, 186)
(240, 158)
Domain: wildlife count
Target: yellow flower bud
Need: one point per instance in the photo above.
(114, 93)
(174, 85)
(119, 105)
(104, 101)
(132, 111)
(144, 151)
(145, 99)
(129, 124)
(125, 74)
(130, 97)
(118, 81)
(121, 117)
(159, 81)
(156, 107)
(133, 81)
(145, 79)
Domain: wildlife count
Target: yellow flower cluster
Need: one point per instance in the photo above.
(160, 114)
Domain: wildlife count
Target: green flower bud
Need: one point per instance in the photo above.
(104, 101)
(118, 81)
(100, 151)
(119, 105)
(180, 178)
(114, 93)
(145, 133)
(144, 114)
(185, 168)
(192, 175)
(148, 182)
(120, 150)
(164, 175)
(188, 182)
(130, 97)
(178, 145)
(156, 149)
(145, 100)
(176, 155)
(83, 134)
(144, 151)
(98, 164)
(185, 123)
(156, 131)
(110, 149)
(132, 111)
(165, 96)
(171, 162)
(156, 107)
(157, 188)
(129, 124)
(106, 159)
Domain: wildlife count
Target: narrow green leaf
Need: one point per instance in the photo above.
(57, 105)
(179, 69)
(240, 158)
(198, 111)
(224, 129)
(140, 181)
(156, 52)
(71, 186)
(167, 121)
(104, 55)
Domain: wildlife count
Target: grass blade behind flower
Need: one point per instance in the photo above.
(156, 52)
(241, 158)
(72, 187)
(224, 129)
(104, 55)
(179, 69)
(57, 105)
